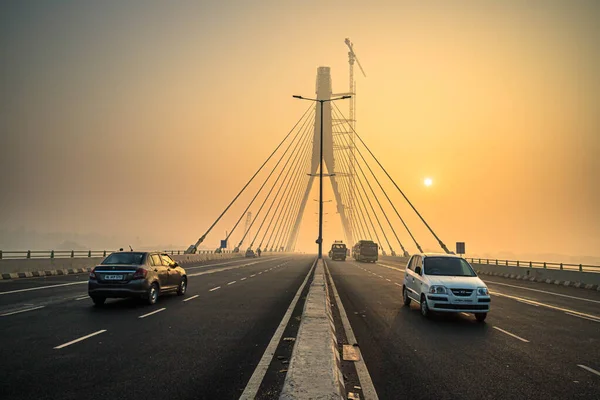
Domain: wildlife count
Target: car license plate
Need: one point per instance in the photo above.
(113, 277)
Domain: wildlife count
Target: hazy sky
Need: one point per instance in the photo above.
(144, 118)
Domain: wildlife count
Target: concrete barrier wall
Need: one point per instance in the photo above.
(314, 370)
(590, 280)
(25, 268)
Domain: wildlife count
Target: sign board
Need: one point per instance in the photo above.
(460, 247)
(224, 244)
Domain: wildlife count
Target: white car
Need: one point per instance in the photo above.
(445, 283)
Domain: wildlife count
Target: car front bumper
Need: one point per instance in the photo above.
(450, 303)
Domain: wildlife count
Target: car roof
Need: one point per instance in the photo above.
(438, 255)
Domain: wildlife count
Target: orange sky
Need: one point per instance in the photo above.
(125, 118)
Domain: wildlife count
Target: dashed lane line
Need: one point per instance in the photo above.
(252, 276)
(43, 287)
(215, 288)
(243, 279)
(190, 298)
(511, 334)
(593, 371)
(153, 312)
(82, 298)
(232, 282)
(20, 311)
(80, 339)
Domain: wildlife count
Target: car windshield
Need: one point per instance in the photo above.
(447, 266)
(339, 246)
(124, 258)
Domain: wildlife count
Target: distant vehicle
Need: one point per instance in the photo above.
(136, 274)
(250, 253)
(445, 283)
(365, 251)
(338, 251)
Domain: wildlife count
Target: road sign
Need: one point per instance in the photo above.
(224, 244)
(460, 248)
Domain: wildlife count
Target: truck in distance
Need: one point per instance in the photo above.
(338, 251)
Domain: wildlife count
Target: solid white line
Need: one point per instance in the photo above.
(544, 305)
(215, 288)
(579, 316)
(190, 298)
(511, 334)
(153, 312)
(21, 311)
(364, 377)
(542, 291)
(80, 339)
(243, 279)
(82, 298)
(593, 371)
(232, 282)
(43, 287)
(261, 369)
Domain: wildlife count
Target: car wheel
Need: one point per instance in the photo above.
(182, 286)
(480, 317)
(98, 301)
(424, 307)
(153, 294)
(405, 296)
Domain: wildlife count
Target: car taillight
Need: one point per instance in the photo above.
(93, 274)
(140, 273)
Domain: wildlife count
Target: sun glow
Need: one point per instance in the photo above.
(428, 182)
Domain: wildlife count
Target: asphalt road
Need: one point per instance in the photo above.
(204, 345)
(535, 343)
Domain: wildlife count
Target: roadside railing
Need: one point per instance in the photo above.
(536, 264)
(42, 254)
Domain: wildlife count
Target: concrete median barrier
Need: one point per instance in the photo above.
(314, 370)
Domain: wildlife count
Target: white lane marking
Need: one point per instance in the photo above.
(265, 270)
(542, 291)
(43, 287)
(153, 312)
(261, 369)
(528, 302)
(397, 284)
(190, 298)
(593, 371)
(511, 334)
(212, 271)
(82, 298)
(21, 311)
(260, 273)
(389, 280)
(390, 267)
(252, 276)
(364, 377)
(464, 313)
(232, 282)
(532, 302)
(80, 339)
(243, 279)
(215, 288)
(579, 316)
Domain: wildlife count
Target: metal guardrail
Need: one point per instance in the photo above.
(536, 264)
(44, 254)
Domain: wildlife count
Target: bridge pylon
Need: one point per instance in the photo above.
(324, 92)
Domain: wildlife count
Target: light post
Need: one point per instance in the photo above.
(320, 238)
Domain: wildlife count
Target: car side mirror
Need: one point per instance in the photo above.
(418, 270)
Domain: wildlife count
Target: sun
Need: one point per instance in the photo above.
(428, 182)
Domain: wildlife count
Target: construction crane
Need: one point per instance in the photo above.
(351, 115)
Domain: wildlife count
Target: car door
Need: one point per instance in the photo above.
(160, 270)
(408, 275)
(418, 277)
(173, 273)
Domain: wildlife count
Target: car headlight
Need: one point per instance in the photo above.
(482, 291)
(437, 289)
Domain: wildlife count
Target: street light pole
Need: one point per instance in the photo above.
(320, 238)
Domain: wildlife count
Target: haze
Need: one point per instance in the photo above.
(137, 122)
